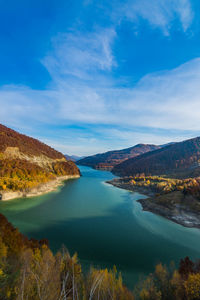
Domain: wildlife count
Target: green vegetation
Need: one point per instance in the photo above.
(29, 270)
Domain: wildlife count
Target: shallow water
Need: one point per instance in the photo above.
(104, 224)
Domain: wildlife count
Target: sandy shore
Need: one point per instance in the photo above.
(39, 190)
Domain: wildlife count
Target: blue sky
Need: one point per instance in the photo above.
(90, 76)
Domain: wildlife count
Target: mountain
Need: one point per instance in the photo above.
(25, 162)
(107, 160)
(179, 159)
(73, 157)
(25, 144)
(168, 144)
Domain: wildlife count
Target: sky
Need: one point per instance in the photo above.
(91, 76)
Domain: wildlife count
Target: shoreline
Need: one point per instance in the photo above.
(175, 211)
(179, 214)
(41, 189)
(117, 182)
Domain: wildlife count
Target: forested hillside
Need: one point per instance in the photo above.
(29, 270)
(110, 159)
(25, 144)
(26, 162)
(180, 159)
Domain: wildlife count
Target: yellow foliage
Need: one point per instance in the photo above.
(192, 286)
(8, 294)
(160, 271)
(1, 273)
(149, 290)
(177, 285)
(37, 255)
(144, 294)
(107, 284)
(3, 249)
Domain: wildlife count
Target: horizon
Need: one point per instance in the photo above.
(88, 78)
(131, 146)
(100, 149)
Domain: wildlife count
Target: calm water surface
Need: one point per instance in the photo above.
(104, 224)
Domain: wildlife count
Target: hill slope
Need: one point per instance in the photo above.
(180, 159)
(25, 162)
(25, 144)
(108, 160)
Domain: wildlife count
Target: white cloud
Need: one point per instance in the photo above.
(81, 54)
(159, 13)
(169, 101)
(83, 91)
(83, 146)
(128, 137)
(185, 13)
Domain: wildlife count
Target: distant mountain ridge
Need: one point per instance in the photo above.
(179, 158)
(107, 160)
(73, 157)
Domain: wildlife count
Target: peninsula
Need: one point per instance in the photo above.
(170, 176)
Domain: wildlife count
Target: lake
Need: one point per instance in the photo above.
(104, 225)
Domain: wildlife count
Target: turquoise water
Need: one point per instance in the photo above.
(104, 224)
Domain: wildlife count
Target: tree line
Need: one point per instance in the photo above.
(30, 271)
(18, 174)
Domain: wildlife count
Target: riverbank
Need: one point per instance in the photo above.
(125, 185)
(175, 206)
(86, 214)
(41, 189)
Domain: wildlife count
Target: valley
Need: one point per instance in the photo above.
(108, 220)
(105, 225)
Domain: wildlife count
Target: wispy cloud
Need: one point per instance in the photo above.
(81, 54)
(161, 13)
(83, 91)
(169, 101)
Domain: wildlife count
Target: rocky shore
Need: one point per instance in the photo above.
(177, 213)
(174, 206)
(37, 191)
(123, 184)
